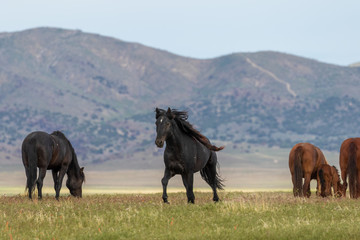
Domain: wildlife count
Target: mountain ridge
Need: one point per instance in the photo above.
(102, 92)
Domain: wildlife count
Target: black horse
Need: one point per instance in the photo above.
(187, 151)
(51, 151)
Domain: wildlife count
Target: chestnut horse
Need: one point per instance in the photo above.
(304, 162)
(350, 166)
(328, 176)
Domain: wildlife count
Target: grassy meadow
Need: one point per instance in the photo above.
(240, 215)
(127, 204)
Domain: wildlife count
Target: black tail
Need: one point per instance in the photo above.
(322, 182)
(352, 170)
(299, 151)
(210, 174)
(32, 169)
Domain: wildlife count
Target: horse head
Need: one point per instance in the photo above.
(342, 189)
(163, 125)
(74, 183)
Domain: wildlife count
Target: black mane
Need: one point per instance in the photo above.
(74, 163)
(180, 118)
(59, 134)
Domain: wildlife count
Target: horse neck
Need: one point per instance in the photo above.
(176, 138)
(74, 168)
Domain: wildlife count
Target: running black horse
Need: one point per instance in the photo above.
(187, 151)
(51, 151)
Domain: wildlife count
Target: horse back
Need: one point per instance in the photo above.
(192, 156)
(36, 147)
(46, 150)
(348, 147)
(311, 158)
(61, 152)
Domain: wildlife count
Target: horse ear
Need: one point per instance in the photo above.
(82, 169)
(157, 113)
(169, 114)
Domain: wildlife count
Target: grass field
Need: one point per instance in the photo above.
(240, 215)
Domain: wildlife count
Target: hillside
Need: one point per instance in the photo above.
(102, 93)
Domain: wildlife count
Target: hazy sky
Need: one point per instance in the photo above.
(325, 30)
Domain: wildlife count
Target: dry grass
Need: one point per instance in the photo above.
(251, 215)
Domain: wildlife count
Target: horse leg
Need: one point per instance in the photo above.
(357, 194)
(188, 180)
(27, 177)
(343, 177)
(306, 187)
(334, 187)
(58, 184)
(164, 182)
(318, 185)
(295, 190)
(42, 173)
(55, 178)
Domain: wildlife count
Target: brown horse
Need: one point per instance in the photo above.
(350, 166)
(327, 177)
(304, 162)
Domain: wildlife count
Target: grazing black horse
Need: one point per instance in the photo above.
(51, 151)
(187, 151)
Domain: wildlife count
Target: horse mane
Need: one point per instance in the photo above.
(59, 134)
(338, 175)
(74, 163)
(337, 171)
(180, 118)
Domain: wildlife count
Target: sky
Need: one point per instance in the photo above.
(323, 30)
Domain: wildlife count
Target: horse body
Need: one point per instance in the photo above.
(304, 162)
(186, 152)
(349, 161)
(328, 176)
(51, 152)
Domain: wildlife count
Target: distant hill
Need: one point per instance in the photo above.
(102, 93)
(357, 64)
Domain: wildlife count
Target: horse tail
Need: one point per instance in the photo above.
(32, 168)
(219, 181)
(211, 174)
(298, 172)
(322, 181)
(215, 148)
(352, 169)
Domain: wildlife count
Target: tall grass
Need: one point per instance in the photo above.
(271, 215)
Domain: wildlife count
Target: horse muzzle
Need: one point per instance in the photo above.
(159, 143)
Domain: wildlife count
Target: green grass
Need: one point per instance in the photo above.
(258, 215)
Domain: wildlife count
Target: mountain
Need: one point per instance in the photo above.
(102, 92)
